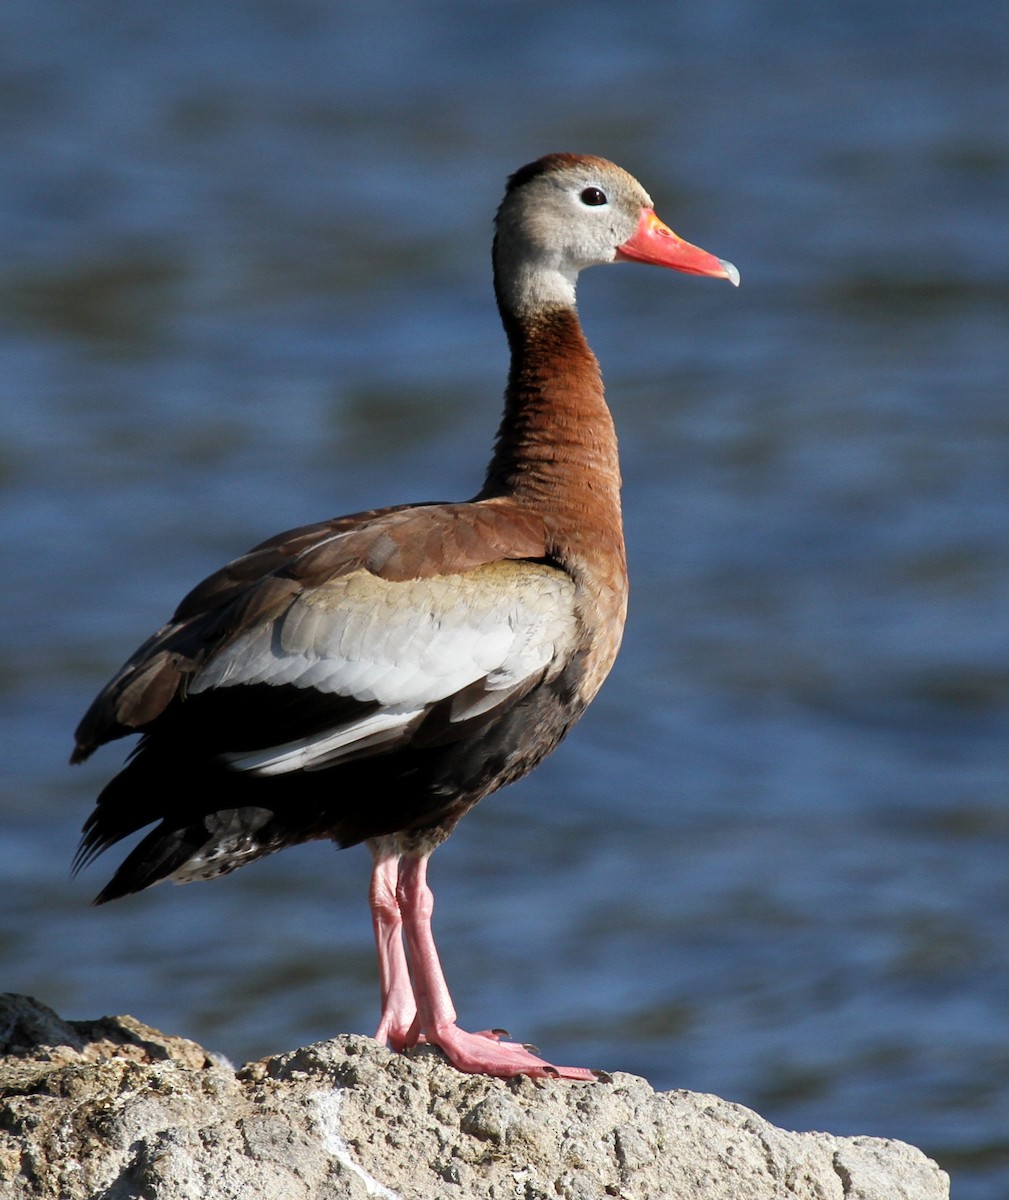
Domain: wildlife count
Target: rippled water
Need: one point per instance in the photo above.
(244, 284)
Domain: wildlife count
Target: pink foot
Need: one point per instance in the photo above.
(485, 1054)
(418, 1009)
(398, 1033)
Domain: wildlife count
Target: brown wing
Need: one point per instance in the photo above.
(395, 545)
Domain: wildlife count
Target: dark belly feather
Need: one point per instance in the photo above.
(213, 818)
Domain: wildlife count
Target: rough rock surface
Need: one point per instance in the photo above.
(114, 1110)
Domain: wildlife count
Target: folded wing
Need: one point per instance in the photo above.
(378, 637)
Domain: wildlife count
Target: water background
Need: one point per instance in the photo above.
(244, 284)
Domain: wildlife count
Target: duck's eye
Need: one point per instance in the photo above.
(593, 196)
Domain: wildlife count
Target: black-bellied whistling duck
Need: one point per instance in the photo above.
(372, 677)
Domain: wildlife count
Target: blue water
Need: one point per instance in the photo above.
(244, 284)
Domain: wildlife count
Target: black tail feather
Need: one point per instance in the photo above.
(215, 845)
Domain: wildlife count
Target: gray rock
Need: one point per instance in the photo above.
(114, 1110)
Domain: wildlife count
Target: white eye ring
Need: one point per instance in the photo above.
(593, 197)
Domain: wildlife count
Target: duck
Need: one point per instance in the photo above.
(370, 678)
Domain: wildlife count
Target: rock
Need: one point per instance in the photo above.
(114, 1110)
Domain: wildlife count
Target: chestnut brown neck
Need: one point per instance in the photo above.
(556, 448)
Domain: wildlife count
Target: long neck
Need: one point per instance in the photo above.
(556, 448)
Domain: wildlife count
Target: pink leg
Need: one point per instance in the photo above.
(399, 1025)
(478, 1053)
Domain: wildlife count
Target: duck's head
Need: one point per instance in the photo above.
(566, 212)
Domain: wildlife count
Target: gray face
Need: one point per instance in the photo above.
(570, 216)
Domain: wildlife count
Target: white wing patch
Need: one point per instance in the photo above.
(320, 750)
(403, 645)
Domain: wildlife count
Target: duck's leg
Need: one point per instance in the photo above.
(399, 1025)
(479, 1053)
